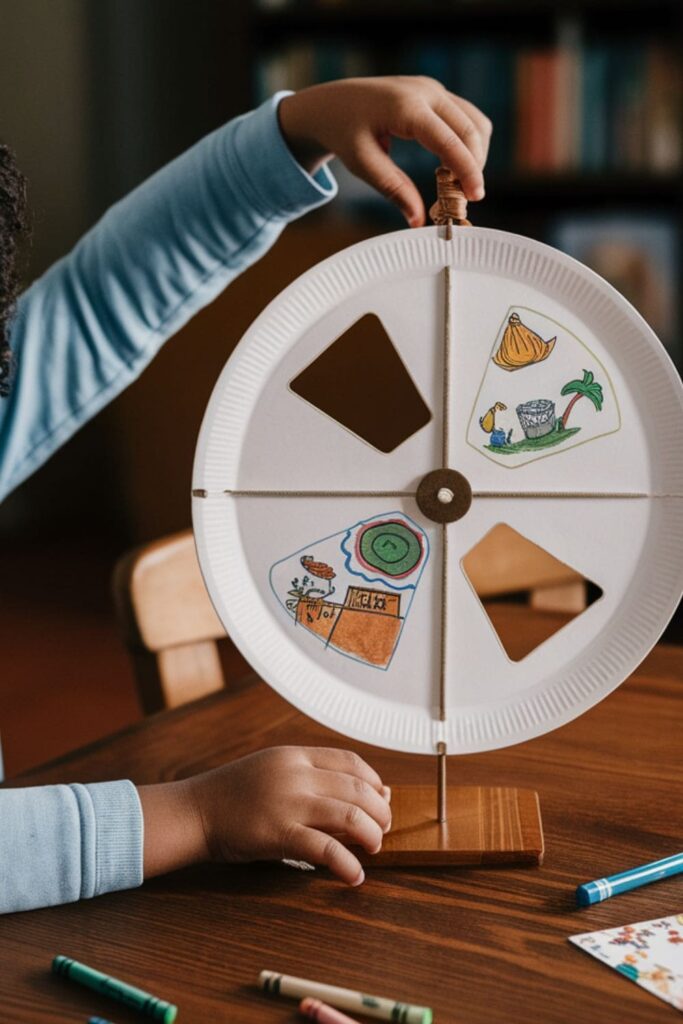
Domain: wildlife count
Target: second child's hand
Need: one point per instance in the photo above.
(295, 803)
(356, 118)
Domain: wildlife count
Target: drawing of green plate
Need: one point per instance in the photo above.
(391, 548)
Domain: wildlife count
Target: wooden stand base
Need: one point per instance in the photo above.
(485, 825)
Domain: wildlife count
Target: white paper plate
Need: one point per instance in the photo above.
(607, 499)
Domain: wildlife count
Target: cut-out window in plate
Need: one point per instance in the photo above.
(511, 574)
(361, 382)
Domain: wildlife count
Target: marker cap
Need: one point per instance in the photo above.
(591, 892)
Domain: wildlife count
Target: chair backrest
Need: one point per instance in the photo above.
(169, 624)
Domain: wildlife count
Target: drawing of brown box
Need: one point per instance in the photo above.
(368, 625)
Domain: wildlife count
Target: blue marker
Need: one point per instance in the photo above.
(603, 888)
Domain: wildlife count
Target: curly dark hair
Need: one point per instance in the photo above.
(13, 227)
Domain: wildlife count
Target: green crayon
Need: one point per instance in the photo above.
(148, 1005)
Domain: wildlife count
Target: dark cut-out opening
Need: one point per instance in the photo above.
(361, 382)
(527, 593)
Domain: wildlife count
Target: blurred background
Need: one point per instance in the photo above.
(587, 154)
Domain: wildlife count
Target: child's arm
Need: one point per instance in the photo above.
(293, 802)
(64, 843)
(355, 120)
(93, 322)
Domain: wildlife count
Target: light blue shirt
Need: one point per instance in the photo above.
(82, 333)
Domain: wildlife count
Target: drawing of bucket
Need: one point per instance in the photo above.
(537, 417)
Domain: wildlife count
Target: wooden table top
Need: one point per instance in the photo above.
(475, 944)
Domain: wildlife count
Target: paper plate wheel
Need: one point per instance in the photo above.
(542, 388)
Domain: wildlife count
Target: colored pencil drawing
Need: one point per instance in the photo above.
(389, 547)
(585, 388)
(498, 438)
(649, 953)
(550, 407)
(367, 622)
(520, 346)
(541, 427)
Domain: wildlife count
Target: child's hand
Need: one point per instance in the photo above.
(354, 119)
(302, 803)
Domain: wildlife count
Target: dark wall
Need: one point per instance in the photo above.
(163, 73)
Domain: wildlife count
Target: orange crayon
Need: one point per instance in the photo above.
(324, 1014)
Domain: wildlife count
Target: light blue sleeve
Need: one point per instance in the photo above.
(59, 844)
(91, 324)
(83, 332)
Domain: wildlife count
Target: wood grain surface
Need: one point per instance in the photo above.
(483, 825)
(476, 944)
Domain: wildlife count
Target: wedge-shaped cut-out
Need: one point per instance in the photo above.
(361, 382)
(505, 569)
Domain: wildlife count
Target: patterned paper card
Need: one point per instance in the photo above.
(649, 953)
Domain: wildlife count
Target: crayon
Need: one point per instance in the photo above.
(323, 1013)
(603, 888)
(148, 1005)
(345, 999)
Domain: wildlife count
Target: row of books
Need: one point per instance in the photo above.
(593, 108)
(598, 108)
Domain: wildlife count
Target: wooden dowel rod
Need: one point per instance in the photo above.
(441, 812)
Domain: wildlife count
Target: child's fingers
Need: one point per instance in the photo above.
(353, 790)
(440, 138)
(318, 848)
(370, 162)
(483, 123)
(335, 760)
(340, 818)
(464, 126)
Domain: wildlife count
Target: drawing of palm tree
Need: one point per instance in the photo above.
(586, 388)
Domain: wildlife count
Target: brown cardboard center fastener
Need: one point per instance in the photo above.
(444, 495)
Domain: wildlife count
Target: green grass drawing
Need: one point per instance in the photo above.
(532, 444)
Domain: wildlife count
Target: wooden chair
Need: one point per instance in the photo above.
(168, 621)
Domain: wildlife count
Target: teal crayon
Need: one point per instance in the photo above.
(99, 1020)
(123, 993)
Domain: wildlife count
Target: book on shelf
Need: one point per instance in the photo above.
(601, 108)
